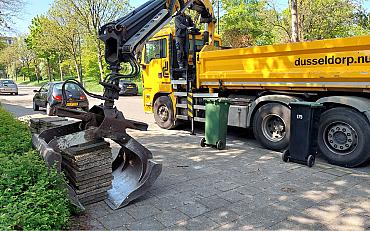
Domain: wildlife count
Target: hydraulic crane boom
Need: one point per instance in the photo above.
(124, 37)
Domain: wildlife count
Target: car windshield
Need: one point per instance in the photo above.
(7, 82)
(70, 87)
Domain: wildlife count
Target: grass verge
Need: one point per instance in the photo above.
(31, 195)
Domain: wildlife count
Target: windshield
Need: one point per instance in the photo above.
(70, 87)
(6, 82)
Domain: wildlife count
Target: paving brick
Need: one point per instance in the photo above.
(171, 217)
(214, 202)
(149, 223)
(222, 216)
(142, 211)
(99, 209)
(232, 196)
(201, 223)
(94, 224)
(116, 220)
(193, 209)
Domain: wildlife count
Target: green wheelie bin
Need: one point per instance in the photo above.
(217, 112)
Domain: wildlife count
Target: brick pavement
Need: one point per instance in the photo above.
(243, 187)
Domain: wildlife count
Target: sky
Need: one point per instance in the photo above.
(38, 7)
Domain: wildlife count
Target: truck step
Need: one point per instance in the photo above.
(179, 105)
(199, 119)
(200, 107)
(180, 94)
(182, 117)
(205, 95)
(179, 82)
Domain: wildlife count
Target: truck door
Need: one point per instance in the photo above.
(155, 69)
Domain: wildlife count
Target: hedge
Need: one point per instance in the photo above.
(31, 195)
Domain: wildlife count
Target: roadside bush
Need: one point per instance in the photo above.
(15, 137)
(31, 196)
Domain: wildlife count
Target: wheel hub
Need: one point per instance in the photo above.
(341, 138)
(163, 113)
(273, 128)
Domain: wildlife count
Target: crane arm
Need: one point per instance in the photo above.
(125, 37)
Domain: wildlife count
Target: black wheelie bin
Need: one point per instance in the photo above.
(304, 123)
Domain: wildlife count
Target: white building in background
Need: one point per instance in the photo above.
(8, 40)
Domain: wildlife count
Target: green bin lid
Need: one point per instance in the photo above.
(217, 100)
(307, 104)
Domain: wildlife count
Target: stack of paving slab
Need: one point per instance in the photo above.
(89, 170)
(38, 125)
(88, 167)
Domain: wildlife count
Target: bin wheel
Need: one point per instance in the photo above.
(310, 161)
(286, 155)
(220, 145)
(203, 142)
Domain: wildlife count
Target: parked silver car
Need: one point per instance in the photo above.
(8, 86)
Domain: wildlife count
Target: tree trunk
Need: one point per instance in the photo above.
(60, 68)
(37, 73)
(49, 71)
(294, 10)
(78, 71)
(28, 72)
(100, 61)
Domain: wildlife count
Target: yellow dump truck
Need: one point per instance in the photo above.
(261, 82)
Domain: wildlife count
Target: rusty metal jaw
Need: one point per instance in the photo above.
(133, 170)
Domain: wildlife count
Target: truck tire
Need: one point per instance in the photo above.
(271, 126)
(344, 137)
(163, 112)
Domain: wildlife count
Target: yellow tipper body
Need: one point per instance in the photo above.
(335, 64)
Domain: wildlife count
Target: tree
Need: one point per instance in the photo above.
(8, 10)
(42, 41)
(324, 19)
(244, 23)
(91, 15)
(9, 59)
(65, 33)
(25, 55)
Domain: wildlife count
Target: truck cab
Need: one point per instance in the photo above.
(159, 64)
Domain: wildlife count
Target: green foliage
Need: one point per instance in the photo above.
(324, 19)
(244, 23)
(15, 138)
(31, 195)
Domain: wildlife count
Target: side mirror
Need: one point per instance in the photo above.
(143, 66)
(36, 91)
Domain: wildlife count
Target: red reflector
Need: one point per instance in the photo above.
(57, 97)
(82, 97)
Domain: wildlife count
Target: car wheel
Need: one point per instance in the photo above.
(16, 93)
(343, 138)
(163, 113)
(49, 110)
(35, 106)
(271, 126)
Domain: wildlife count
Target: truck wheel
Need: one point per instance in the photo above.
(344, 136)
(163, 112)
(271, 126)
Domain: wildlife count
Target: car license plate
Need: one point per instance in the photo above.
(73, 104)
(130, 87)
